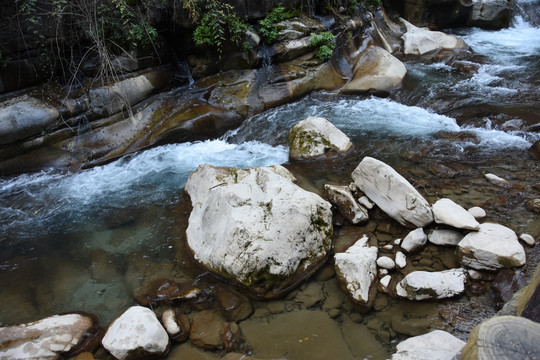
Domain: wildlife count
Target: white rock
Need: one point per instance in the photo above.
(445, 237)
(445, 211)
(256, 225)
(401, 260)
(388, 247)
(385, 281)
(386, 263)
(364, 200)
(342, 198)
(436, 345)
(383, 272)
(527, 239)
(475, 274)
(357, 268)
(477, 212)
(137, 328)
(496, 180)
(397, 242)
(392, 193)
(492, 247)
(420, 41)
(169, 322)
(376, 69)
(315, 136)
(421, 285)
(44, 339)
(414, 240)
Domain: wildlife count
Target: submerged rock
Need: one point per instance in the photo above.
(421, 285)
(496, 180)
(257, 227)
(176, 324)
(445, 211)
(136, 334)
(419, 41)
(342, 198)
(504, 338)
(377, 71)
(316, 136)
(356, 270)
(435, 345)
(445, 237)
(492, 247)
(392, 193)
(48, 338)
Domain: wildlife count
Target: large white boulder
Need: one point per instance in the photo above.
(137, 333)
(447, 212)
(419, 41)
(445, 237)
(357, 268)
(392, 193)
(376, 70)
(414, 240)
(342, 198)
(256, 226)
(492, 247)
(421, 285)
(315, 136)
(47, 338)
(435, 345)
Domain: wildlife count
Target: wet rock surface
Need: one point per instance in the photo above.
(421, 285)
(434, 345)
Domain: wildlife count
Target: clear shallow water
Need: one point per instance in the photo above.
(85, 241)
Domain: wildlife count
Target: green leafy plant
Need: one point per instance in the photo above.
(325, 44)
(373, 4)
(220, 25)
(269, 30)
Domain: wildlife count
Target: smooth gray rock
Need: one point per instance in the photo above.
(342, 198)
(445, 237)
(420, 41)
(414, 240)
(447, 212)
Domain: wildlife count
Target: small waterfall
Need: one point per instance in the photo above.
(526, 11)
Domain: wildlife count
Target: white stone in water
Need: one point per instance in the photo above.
(364, 200)
(397, 242)
(388, 247)
(475, 274)
(447, 212)
(386, 263)
(385, 281)
(527, 239)
(44, 339)
(477, 212)
(392, 193)
(315, 136)
(169, 322)
(357, 267)
(445, 237)
(256, 226)
(495, 180)
(383, 272)
(436, 345)
(414, 240)
(401, 260)
(343, 199)
(421, 285)
(492, 247)
(420, 41)
(136, 329)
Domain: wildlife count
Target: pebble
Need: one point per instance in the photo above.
(477, 212)
(495, 180)
(365, 201)
(401, 260)
(386, 263)
(527, 239)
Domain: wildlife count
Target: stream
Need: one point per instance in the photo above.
(86, 241)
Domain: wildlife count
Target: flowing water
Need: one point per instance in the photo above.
(85, 241)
